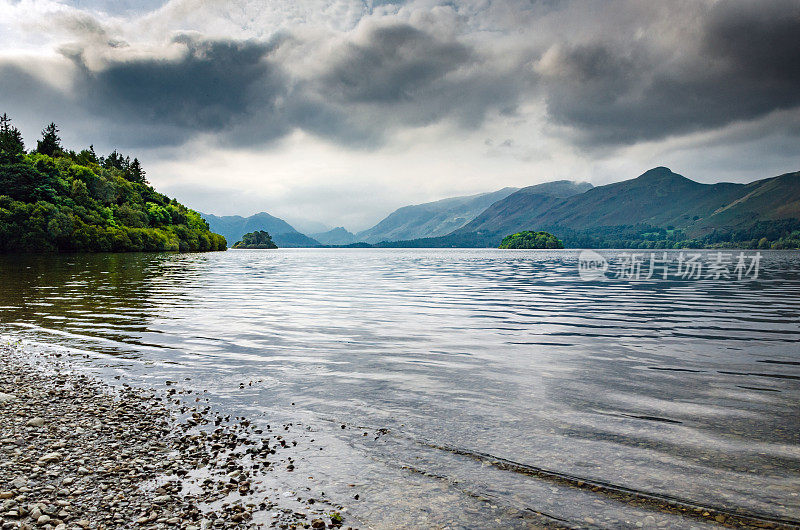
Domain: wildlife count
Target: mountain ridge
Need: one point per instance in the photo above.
(233, 227)
(431, 218)
(657, 207)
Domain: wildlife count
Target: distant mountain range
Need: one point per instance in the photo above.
(431, 219)
(658, 209)
(233, 227)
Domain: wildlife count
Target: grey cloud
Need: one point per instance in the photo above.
(399, 75)
(396, 76)
(208, 88)
(396, 63)
(743, 64)
(610, 85)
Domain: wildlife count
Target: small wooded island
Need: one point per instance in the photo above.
(56, 200)
(257, 239)
(528, 239)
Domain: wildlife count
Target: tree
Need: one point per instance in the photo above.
(50, 144)
(135, 173)
(115, 160)
(11, 144)
(87, 156)
(257, 239)
(528, 240)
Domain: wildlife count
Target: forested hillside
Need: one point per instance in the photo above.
(57, 200)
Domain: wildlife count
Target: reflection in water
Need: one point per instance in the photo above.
(690, 389)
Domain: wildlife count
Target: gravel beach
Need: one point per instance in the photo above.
(76, 453)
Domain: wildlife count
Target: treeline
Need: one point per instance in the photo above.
(777, 235)
(57, 200)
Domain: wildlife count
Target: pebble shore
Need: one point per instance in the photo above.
(76, 453)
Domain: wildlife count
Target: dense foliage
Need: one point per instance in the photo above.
(776, 235)
(55, 200)
(257, 239)
(529, 239)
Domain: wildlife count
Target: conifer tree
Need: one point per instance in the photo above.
(50, 144)
(11, 144)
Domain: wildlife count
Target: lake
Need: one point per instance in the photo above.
(500, 381)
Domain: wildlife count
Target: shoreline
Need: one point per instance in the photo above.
(77, 453)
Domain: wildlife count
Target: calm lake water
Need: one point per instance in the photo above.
(468, 358)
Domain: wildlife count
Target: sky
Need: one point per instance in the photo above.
(336, 112)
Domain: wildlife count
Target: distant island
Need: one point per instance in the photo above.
(257, 239)
(56, 200)
(531, 240)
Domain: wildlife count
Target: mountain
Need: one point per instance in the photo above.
(659, 208)
(519, 207)
(233, 227)
(336, 236)
(431, 219)
(770, 199)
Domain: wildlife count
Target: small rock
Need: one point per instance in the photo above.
(6, 398)
(6, 494)
(35, 422)
(49, 458)
(43, 519)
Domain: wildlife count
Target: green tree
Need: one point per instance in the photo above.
(528, 240)
(11, 145)
(257, 239)
(50, 144)
(68, 202)
(135, 173)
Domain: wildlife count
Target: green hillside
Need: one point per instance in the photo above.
(657, 209)
(57, 200)
(430, 219)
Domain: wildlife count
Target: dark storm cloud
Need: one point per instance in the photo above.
(210, 86)
(610, 85)
(745, 63)
(397, 75)
(396, 63)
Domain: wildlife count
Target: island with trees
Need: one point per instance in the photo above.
(57, 200)
(257, 239)
(528, 239)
